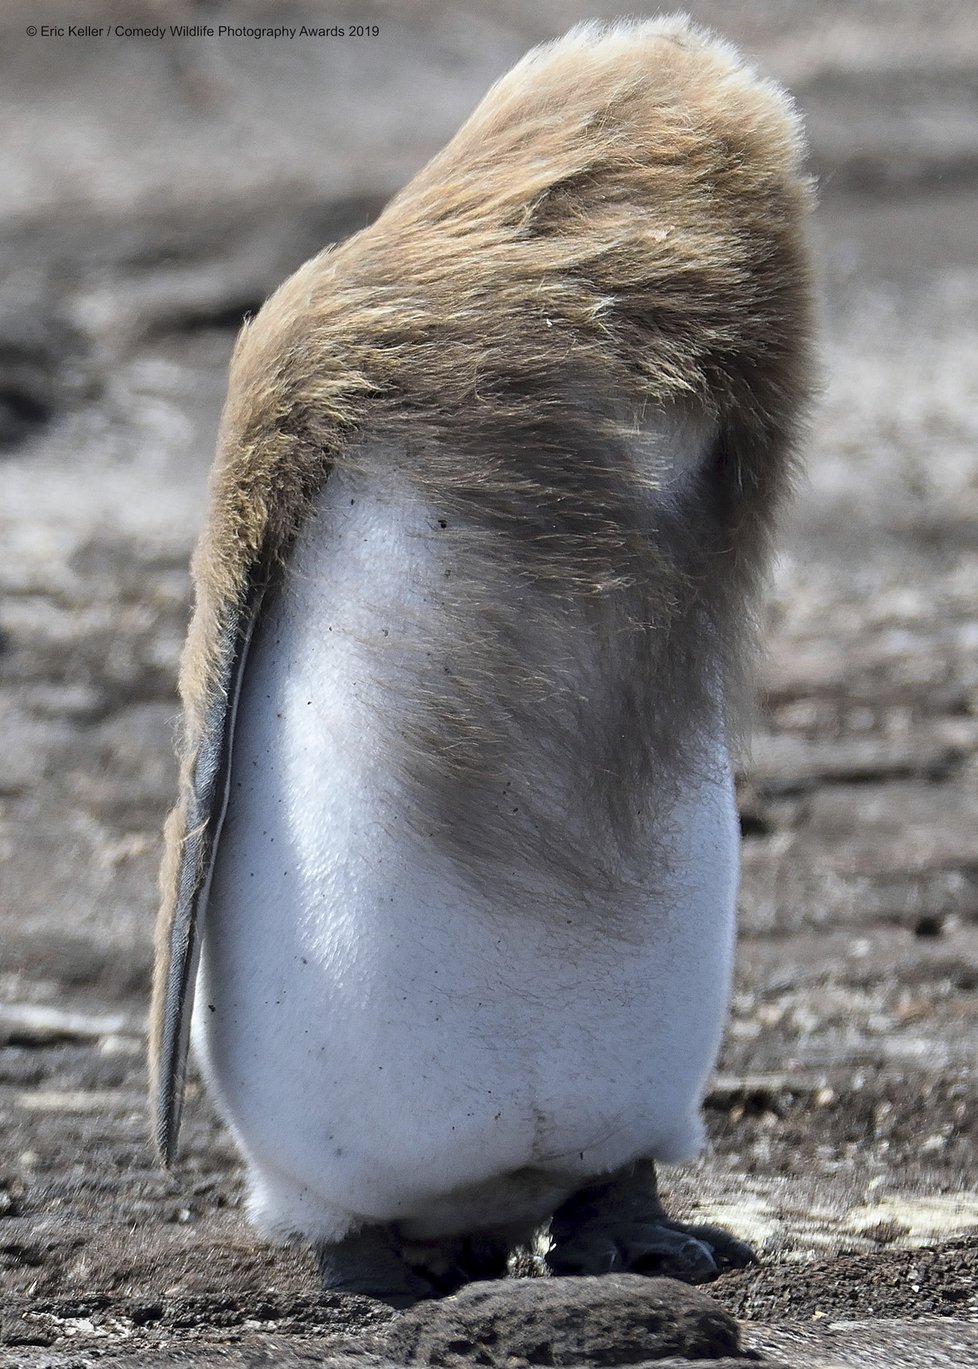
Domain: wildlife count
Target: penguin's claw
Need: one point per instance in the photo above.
(618, 1225)
(693, 1254)
(645, 1248)
(728, 1252)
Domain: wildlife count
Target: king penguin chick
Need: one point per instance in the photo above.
(454, 863)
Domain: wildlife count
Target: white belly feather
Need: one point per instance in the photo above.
(387, 1041)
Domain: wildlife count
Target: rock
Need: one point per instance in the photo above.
(39, 361)
(619, 1319)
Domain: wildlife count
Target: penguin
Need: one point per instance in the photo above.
(449, 890)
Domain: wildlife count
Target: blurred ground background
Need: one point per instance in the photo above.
(150, 193)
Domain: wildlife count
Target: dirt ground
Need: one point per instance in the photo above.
(153, 190)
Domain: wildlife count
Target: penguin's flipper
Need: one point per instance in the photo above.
(193, 831)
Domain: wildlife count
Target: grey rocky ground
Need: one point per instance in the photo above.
(149, 194)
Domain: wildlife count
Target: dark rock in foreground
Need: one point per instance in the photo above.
(620, 1319)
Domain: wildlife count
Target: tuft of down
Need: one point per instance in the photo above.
(616, 235)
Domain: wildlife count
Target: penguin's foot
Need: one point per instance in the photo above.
(477, 1257)
(377, 1263)
(619, 1225)
(371, 1263)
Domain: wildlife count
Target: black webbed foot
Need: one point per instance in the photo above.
(619, 1225)
(378, 1263)
(371, 1263)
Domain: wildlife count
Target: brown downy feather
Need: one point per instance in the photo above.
(616, 236)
